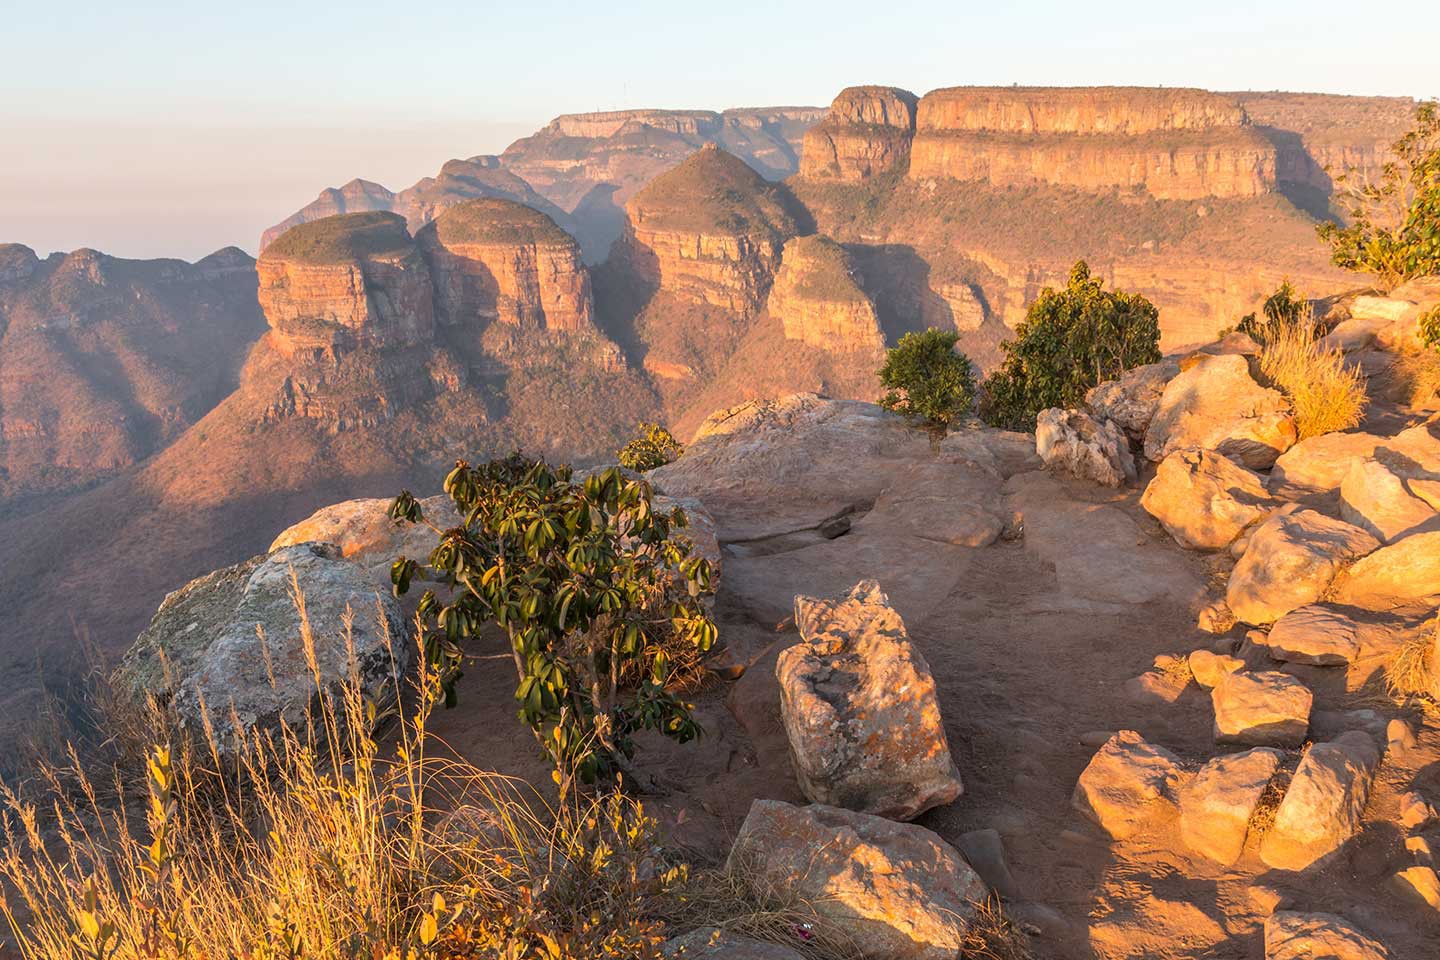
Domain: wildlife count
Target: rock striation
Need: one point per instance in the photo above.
(819, 301)
(866, 132)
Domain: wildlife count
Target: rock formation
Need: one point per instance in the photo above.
(357, 196)
(817, 299)
(866, 132)
(496, 260)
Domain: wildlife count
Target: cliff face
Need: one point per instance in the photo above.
(1171, 144)
(493, 260)
(867, 131)
(819, 301)
(104, 360)
(709, 231)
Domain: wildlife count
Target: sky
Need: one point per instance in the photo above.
(152, 128)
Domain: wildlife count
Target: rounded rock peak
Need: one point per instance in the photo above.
(495, 220)
(344, 238)
(714, 192)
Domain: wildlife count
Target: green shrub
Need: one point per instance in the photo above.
(1284, 308)
(1071, 340)
(1394, 229)
(927, 380)
(655, 447)
(1430, 327)
(589, 586)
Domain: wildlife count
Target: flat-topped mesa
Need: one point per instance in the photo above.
(867, 132)
(710, 231)
(1318, 135)
(607, 123)
(1174, 144)
(357, 196)
(345, 282)
(817, 299)
(496, 260)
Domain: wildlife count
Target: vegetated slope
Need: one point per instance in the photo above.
(103, 361)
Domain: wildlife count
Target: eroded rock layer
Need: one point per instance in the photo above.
(867, 132)
(817, 299)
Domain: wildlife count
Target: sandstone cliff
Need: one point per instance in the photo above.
(818, 301)
(867, 132)
(1171, 144)
(103, 361)
(495, 260)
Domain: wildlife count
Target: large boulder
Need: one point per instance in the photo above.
(1131, 400)
(1267, 709)
(859, 706)
(894, 891)
(1128, 785)
(1408, 570)
(1322, 808)
(1375, 498)
(1290, 561)
(1073, 441)
(1216, 806)
(1317, 936)
(1319, 634)
(233, 644)
(364, 533)
(1216, 405)
(1205, 500)
(1320, 464)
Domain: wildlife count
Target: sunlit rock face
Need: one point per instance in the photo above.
(817, 299)
(867, 132)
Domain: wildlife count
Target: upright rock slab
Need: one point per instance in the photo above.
(1205, 500)
(1073, 441)
(895, 891)
(859, 706)
(1325, 802)
(1290, 561)
(1128, 784)
(1215, 807)
(1216, 405)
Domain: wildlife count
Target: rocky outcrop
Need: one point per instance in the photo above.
(1131, 400)
(1075, 442)
(818, 300)
(1215, 404)
(867, 132)
(230, 647)
(1323, 806)
(500, 261)
(344, 283)
(895, 891)
(709, 231)
(1205, 500)
(860, 710)
(1290, 561)
(1174, 144)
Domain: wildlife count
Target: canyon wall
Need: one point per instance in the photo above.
(866, 132)
(819, 302)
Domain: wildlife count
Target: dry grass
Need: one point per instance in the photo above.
(1417, 373)
(1409, 673)
(1262, 818)
(1325, 395)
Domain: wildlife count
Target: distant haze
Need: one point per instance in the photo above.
(165, 129)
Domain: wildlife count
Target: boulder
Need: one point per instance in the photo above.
(1374, 498)
(1387, 309)
(700, 534)
(1209, 668)
(712, 943)
(1320, 464)
(1216, 806)
(1216, 405)
(1420, 885)
(893, 891)
(1131, 400)
(1073, 441)
(1261, 709)
(232, 639)
(364, 533)
(1323, 806)
(1128, 784)
(1317, 936)
(859, 706)
(1318, 634)
(1290, 561)
(1407, 570)
(1205, 500)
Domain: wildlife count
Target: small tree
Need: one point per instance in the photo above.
(1284, 308)
(654, 447)
(927, 380)
(587, 582)
(1071, 340)
(1394, 229)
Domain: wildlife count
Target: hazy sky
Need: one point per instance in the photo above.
(153, 128)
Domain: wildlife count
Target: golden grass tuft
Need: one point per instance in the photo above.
(1262, 818)
(1409, 672)
(1417, 373)
(1325, 395)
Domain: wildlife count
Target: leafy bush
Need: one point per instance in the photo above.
(1071, 340)
(655, 447)
(927, 380)
(1325, 395)
(1430, 327)
(1394, 229)
(581, 575)
(1283, 308)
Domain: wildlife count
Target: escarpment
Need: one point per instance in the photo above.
(866, 132)
(818, 300)
(1171, 144)
(709, 231)
(494, 260)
